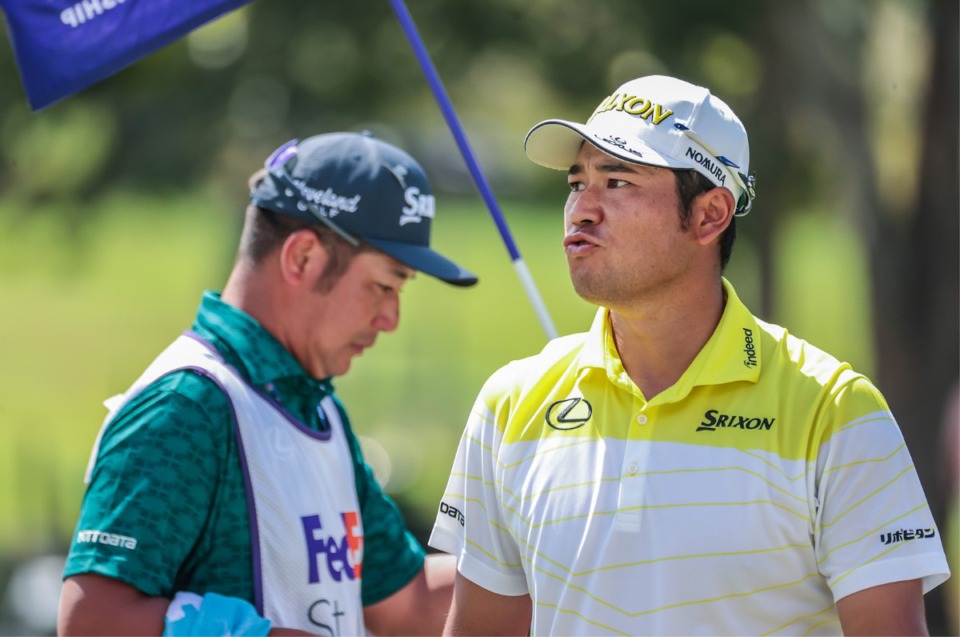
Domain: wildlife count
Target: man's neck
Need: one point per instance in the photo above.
(252, 291)
(659, 339)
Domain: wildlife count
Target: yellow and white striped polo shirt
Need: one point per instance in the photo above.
(768, 482)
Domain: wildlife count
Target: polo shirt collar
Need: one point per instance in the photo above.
(731, 354)
(247, 346)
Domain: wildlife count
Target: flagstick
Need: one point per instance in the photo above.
(446, 107)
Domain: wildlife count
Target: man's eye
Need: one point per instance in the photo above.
(618, 183)
(575, 186)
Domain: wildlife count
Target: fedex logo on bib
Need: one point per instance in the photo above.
(343, 556)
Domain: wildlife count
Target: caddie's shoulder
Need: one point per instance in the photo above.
(181, 403)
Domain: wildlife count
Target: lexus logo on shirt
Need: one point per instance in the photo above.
(569, 413)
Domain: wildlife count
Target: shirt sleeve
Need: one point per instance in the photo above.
(392, 556)
(873, 523)
(471, 524)
(153, 482)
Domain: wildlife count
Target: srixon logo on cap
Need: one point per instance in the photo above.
(633, 105)
(419, 206)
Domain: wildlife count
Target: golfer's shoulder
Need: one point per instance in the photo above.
(798, 362)
(557, 355)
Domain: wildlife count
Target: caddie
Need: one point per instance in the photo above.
(228, 494)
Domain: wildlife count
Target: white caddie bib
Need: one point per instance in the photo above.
(306, 532)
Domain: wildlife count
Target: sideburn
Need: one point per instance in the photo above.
(340, 255)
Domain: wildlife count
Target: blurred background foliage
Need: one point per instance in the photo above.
(119, 205)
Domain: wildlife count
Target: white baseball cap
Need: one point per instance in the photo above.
(659, 121)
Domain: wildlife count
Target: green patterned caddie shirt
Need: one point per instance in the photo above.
(166, 508)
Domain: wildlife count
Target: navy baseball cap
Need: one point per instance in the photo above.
(362, 188)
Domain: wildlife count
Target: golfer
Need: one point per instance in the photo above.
(683, 467)
(227, 493)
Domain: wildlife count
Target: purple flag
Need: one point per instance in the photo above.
(64, 46)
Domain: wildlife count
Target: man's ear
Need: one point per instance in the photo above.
(302, 258)
(712, 212)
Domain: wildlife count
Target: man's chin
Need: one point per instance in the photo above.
(333, 371)
(588, 291)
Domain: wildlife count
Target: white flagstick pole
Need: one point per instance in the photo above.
(446, 107)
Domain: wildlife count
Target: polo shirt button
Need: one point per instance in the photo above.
(632, 468)
(642, 419)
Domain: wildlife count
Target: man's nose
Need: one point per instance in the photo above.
(585, 207)
(388, 318)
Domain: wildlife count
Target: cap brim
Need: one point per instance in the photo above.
(555, 143)
(426, 260)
